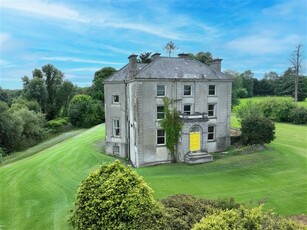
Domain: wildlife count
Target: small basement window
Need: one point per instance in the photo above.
(116, 150)
(115, 98)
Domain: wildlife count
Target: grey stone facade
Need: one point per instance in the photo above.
(134, 101)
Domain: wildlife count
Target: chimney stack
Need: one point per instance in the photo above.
(216, 64)
(182, 55)
(132, 65)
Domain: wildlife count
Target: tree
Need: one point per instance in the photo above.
(204, 57)
(145, 57)
(53, 79)
(35, 89)
(170, 47)
(64, 95)
(115, 197)
(248, 82)
(257, 130)
(85, 112)
(98, 85)
(297, 65)
(172, 124)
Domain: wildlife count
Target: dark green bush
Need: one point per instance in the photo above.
(257, 130)
(299, 115)
(116, 197)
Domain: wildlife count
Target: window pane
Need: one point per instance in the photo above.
(160, 90)
(210, 110)
(187, 90)
(115, 98)
(160, 112)
(211, 129)
(187, 109)
(160, 136)
(211, 89)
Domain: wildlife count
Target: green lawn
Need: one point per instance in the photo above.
(37, 192)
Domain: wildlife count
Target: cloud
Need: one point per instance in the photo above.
(80, 60)
(45, 9)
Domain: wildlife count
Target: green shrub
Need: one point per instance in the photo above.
(277, 110)
(115, 197)
(299, 115)
(183, 211)
(57, 124)
(257, 130)
(243, 218)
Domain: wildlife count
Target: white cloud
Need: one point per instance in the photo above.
(45, 9)
(80, 60)
(4, 37)
(261, 44)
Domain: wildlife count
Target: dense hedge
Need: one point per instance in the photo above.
(244, 218)
(116, 197)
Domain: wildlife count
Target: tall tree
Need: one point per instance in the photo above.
(297, 65)
(248, 82)
(98, 86)
(170, 47)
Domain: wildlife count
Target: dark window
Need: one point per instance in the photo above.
(211, 89)
(116, 128)
(115, 98)
(116, 150)
(211, 111)
(187, 90)
(160, 137)
(160, 90)
(210, 133)
(187, 109)
(160, 112)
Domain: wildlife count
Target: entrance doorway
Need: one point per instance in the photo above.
(195, 139)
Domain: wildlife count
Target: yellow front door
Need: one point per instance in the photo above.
(194, 141)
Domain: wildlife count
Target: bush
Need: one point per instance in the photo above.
(243, 218)
(257, 130)
(57, 124)
(299, 115)
(115, 197)
(277, 110)
(183, 211)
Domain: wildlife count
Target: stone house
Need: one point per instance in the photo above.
(134, 105)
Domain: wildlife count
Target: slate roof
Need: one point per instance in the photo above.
(170, 68)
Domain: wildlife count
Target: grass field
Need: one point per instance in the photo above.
(37, 192)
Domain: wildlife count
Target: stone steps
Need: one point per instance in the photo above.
(197, 158)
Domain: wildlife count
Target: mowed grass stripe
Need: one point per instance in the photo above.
(37, 192)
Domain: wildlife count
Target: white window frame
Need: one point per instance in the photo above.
(184, 112)
(114, 97)
(210, 90)
(116, 127)
(160, 90)
(184, 91)
(159, 112)
(211, 133)
(211, 110)
(160, 136)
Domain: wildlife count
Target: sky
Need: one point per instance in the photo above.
(80, 37)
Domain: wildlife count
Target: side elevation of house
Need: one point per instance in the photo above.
(134, 106)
